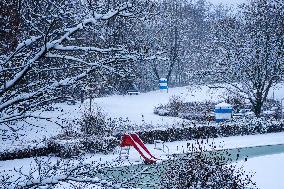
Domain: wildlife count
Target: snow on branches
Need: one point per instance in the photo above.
(250, 47)
(49, 59)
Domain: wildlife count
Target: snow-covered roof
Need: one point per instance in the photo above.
(223, 105)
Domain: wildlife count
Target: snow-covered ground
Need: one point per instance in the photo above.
(32, 131)
(139, 109)
(227, 2)
(268, 171)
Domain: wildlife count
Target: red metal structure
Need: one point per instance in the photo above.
(136, 142)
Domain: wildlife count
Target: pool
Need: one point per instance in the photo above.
(148, 176)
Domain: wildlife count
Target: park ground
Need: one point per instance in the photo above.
(267, 168)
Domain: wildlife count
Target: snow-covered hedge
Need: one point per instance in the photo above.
(104, 145)
(74, 146)
(24, 153)
(64, 147)
(176, 107)
(188, 131)
(67, 146)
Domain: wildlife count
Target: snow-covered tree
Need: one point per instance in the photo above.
(250, 47)
(176, 33)
(9, 25)
(57, 52)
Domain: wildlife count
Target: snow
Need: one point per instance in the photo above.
(27, 42)
(277, 92)
(268, 174)
(75, 48)
(139, 108)
(11, 82)
(268, 171)
(32, 132)
(179, 147)
(224, 105)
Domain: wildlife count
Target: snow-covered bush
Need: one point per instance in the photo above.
(65, 148)
(95, 144)
(95, 123)
(52, 172)
(202, 169)
(161, 110)
(91, 133)
(176, 107)
(121, 125)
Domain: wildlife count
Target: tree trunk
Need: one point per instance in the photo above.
(257, 107)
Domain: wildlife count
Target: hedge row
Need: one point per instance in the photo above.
(194, 132)
(184, 132)
(25, 153)
(65, 148)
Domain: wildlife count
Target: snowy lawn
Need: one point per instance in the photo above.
(137, 109)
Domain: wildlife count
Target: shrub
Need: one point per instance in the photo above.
(65, 148)
(199, 170)
(176, 107)
(95, 136)
(104, 145)
(95, 123)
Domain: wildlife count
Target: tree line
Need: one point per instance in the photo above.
(57, 50)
